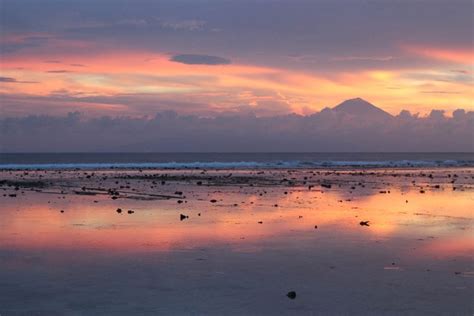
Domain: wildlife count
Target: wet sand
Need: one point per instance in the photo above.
(381, 242)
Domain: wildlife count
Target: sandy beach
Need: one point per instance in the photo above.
(193, 241)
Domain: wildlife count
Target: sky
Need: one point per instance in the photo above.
(214, 58)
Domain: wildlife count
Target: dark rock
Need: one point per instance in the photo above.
(291, 295)
(119, 210)
(182, 217)
(364, 223)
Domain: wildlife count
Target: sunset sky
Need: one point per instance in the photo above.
(136, 58)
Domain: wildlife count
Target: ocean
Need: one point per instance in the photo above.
(29, 161)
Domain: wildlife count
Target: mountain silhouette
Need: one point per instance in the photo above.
(361, 108)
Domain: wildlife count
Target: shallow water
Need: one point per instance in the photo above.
(415, 257)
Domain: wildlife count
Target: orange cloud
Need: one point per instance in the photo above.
(224, 87)
(461, 56)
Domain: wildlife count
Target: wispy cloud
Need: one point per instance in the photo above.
(457, 55)
(13, 80)
(366, 58)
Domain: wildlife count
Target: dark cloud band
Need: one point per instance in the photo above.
(193, 59)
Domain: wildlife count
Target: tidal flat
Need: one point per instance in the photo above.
(386, 241)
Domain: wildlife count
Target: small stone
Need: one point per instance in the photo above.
(291, 295)
(364, 223)
(182, 217)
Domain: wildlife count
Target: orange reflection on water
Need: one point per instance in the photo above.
(442, 217)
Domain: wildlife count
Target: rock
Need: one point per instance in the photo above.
(130, 212)
(213, 201)
(182, 217)
(260, 222)
(364, 223)
(325, 185)
(119, 210)
(291, 295)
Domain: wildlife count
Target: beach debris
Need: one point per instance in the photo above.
(119, 210)
(260, 222)
(179, 201)
(364, 223)
(422, 191)
(213, 201)
(62, 211)
(130, 212)
(183, 217)
(291, 295)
